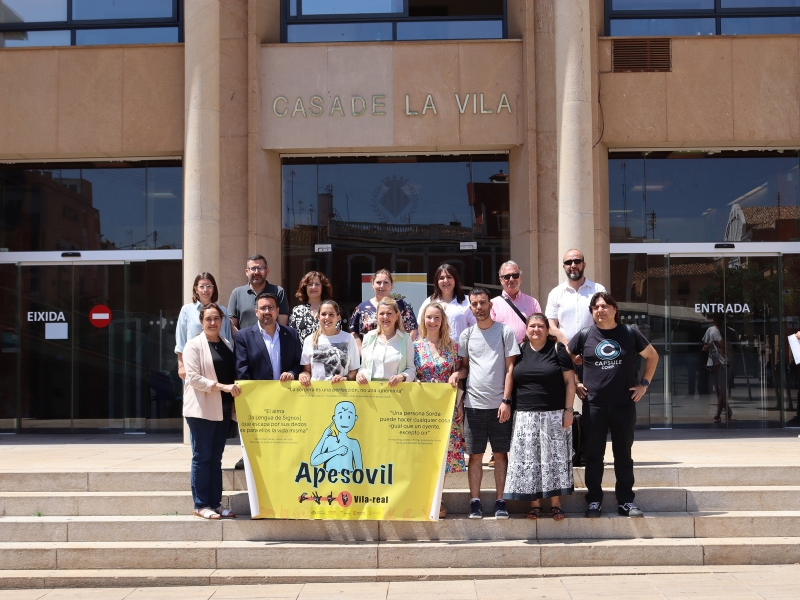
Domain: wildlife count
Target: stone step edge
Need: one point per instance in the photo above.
(717, 514)
(104, 578)
(178, 545)
(609, 490)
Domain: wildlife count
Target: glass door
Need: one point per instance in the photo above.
(71, 362)
(724, 330)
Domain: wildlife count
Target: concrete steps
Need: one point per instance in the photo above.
(720, 524)
(114, 529)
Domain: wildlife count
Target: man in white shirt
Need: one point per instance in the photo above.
(568, 303)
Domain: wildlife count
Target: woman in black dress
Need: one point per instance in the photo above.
(540, 461)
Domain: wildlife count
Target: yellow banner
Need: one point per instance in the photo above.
(344, 451)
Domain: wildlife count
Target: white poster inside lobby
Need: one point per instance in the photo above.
(413, 287)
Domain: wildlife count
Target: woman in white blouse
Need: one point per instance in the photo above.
(387, 353)
(447, 292)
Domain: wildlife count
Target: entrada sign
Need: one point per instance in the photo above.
(721, 308)
(357, 106)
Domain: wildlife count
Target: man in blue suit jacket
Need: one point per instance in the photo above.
(267, 351)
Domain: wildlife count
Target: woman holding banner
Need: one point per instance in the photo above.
(329, 354)
(387, 353)
(207, 403)
(436, 358)
(540, 463)
(365, 316)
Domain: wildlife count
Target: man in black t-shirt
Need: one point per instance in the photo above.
(610, 392)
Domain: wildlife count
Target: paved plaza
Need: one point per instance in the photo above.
(731, 583)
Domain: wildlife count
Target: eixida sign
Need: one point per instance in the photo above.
(721, 308)
(376, 105)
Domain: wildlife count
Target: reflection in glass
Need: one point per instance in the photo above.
(9, 353)
(137, 35)
(20, 39)
(760, 25)
(116, 9)
(351, 7)
(694, 197)
(32, 11)
(662, 4)
(454, 8)
(760, 3)
(449, 30)
(292, 8)
(77, 208)
(669, 27)
(339, 32)
(791, 325)
(407, 214)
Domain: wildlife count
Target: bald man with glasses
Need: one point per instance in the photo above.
(568, 303)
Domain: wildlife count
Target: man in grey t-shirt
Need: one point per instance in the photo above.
(242, 305)
(488, 349)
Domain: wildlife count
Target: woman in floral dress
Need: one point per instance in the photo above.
(435, 359)
(365, 316)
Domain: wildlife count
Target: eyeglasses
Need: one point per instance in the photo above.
(257, 269)
(508, 276)
(574, 261)
(205, 287)
(267, 308)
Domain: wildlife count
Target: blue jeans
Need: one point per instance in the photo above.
(208, 443)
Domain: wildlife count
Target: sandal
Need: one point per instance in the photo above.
(206, 513)
(442, 512)
(558, 513)
(534, 513)
(224, 513)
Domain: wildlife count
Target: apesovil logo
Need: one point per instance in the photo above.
(607, 350)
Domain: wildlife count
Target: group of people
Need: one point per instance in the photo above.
(518, 370)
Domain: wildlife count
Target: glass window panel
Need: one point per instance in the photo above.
(137, 35)
(74, 208)
(662, 4)
(648, 27)
(118, 9)
(760, 3)
(32, 11)
(760, 25)
(339, 32)
(292, 8)
(705, 199)
(449, 30)
(406, 214)
(454, 8)
(351, 7)
(19, 39)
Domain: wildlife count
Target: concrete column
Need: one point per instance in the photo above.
(201, 159)
(574, 127)
(201, 146)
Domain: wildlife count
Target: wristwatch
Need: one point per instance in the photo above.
(644, 383)
(507, 401)
(569, 408)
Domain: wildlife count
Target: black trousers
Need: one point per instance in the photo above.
(620, 420)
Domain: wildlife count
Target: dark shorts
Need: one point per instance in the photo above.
(482, 425)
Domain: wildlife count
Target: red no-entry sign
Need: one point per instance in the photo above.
(100, 316)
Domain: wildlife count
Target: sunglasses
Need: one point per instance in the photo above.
(574, 261)
(508, 276)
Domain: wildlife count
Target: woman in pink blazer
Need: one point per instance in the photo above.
(207, 403)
